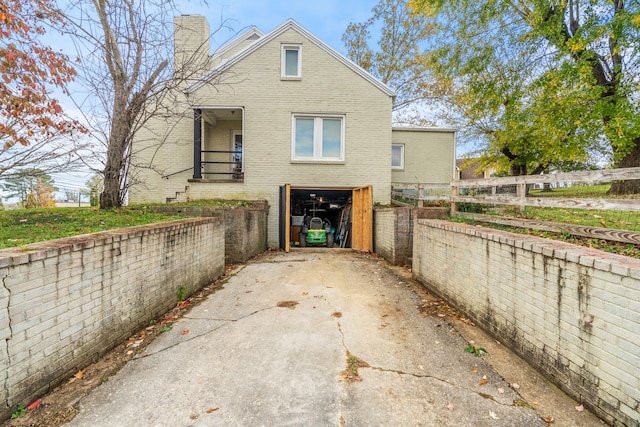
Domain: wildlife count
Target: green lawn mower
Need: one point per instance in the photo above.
(317, 232)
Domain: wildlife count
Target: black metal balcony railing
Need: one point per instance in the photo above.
(236, 169)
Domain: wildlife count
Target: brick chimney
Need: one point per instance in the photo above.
(190, 43)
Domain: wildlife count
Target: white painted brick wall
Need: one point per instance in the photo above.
(65, 301)
(326, 87)
(572, 312)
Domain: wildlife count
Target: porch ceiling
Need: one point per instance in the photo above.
(212, 115)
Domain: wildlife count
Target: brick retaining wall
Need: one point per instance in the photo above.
(393, 231)
(571, 312)
(245, 226)
(65, 302)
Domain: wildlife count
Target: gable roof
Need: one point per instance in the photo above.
(289, 24)
(252, 33)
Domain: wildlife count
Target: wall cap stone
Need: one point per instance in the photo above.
(589, 257)
(51, 248)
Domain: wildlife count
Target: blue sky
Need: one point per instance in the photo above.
(327, 19)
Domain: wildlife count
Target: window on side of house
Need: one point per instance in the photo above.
(291, 66)
(317, 138)
(397, 156)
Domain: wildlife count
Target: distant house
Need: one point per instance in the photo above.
(472, 168)
(284, 117)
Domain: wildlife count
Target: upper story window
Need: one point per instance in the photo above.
(317, 138)
(291, 66)
(397, 156)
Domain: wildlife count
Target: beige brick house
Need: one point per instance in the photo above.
(283, 117)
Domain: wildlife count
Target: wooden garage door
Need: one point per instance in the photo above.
(362, 220)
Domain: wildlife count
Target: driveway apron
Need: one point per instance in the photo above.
(308, 338)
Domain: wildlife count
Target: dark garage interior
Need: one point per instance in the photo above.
(329, 207)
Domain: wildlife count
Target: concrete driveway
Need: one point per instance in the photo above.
(309, 338)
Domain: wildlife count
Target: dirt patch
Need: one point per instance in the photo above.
(287, 304)
(60, 405)
(351, 375)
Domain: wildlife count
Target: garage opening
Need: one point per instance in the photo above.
(320, 217)
(344, 213)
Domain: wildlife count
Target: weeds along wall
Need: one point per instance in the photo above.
(572, 312)
(65, 302)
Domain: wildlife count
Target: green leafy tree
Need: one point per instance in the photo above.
(397, 56)
(22, 183)
(562, 72)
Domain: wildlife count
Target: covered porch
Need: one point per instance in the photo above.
(218, 148)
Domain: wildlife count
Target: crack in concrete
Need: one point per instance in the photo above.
(6, 341)
(193, 337)
(399, 372)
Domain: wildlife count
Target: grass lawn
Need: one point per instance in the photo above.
(24, 226)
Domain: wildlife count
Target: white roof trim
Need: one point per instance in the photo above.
(424, 129)
(291, 24)
(235, 41)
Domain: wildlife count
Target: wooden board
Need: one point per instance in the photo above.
(623, 236)
(362, 219)
(609, 204)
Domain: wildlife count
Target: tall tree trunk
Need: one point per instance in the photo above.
(631, 160)
(112, 193)
(111, 196)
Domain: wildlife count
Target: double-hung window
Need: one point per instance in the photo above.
(397, 156)
(291, 66)
(317, 138)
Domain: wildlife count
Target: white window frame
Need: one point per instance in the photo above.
(283, 61)
(401, 166)
(317, 137)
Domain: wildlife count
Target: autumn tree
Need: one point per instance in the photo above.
(580, 57)
(129, 80)
(396, 57)
(34, 129)
(41, 195)
(20, 184)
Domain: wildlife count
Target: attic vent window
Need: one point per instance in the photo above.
(291, 66)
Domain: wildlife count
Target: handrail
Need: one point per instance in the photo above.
(175, 173)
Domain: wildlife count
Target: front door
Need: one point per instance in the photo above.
(237, 152)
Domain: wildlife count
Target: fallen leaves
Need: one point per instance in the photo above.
(287, 304)
(580, 408)
(184, 332)
(210, 410)
(78, 376)
(549, 420)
